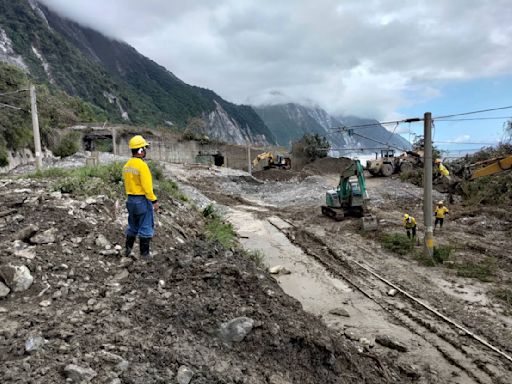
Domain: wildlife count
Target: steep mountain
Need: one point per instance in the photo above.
(113, 76)
(291, 121)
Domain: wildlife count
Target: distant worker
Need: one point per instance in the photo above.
(442, 169)
(410, 226)
(141, 202)
(439, 213)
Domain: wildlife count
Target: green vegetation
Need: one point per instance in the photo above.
(397, 243)
(442, 253)
(311, 147)
(170, 188)
(256, 256)
(68, 145)
(483, 270)
(217, 229)
(504, 295)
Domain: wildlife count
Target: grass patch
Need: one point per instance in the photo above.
(483, 271)
(170, 188)
(397, 243)
(256, 256)
(425, 260)
(217, 229)
(442, 253)
(504, 295)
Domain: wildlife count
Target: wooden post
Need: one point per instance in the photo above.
(35, 128)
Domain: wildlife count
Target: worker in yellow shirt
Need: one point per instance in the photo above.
(141, 202)
(442, 169)
(439, 213)
(410, 225)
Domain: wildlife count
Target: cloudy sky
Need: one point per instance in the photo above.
(386, 59)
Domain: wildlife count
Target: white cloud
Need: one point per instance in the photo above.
(462, 139)
(368, 57)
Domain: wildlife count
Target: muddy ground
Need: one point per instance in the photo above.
(331, 265)
(196, 313)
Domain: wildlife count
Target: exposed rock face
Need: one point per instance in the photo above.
(7, 53)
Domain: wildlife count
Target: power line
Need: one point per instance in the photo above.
(473, 112)
(464, 143)
(13, 92)
(12, 107)
(478, 118)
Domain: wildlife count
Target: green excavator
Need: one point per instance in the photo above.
(350, 197)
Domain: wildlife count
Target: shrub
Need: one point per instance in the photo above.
(69, 145)
(209, 211)
(217, 229)
(483, 271)
(397, 243)
(256, 256)
(442, 253)
(504, 295)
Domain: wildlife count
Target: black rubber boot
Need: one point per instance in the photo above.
(144, 247)
(130, 240)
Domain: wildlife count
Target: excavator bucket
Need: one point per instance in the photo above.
(369, 223)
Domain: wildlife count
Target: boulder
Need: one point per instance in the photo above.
(339, 312)
(16, 277)
(4, 290)
(45, 237)
(236, 330)
(26, 233)
(79, 374)
(184, 375)
(387, 341)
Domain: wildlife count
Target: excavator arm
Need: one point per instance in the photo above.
(496, 166)
(262, 156)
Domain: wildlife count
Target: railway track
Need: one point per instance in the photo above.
(476, 357)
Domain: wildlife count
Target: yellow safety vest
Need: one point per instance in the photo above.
(440, 212)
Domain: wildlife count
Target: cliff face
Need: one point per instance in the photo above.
(289, 122)
(113, 76)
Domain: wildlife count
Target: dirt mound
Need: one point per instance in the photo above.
(92, 314)
(326, 166)
(275, 175)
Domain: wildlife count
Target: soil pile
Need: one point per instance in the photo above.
(326, 166)
(274, 174)
(74, 309)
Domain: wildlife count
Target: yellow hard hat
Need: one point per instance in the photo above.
(437, 161)
(137, 142)
(406, 216)
(440, 202)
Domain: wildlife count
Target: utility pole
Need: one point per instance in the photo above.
(249, 158)
(427, 185)
(35, 127)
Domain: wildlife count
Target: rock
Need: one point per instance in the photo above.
(277, 379)
(79, 374)
(26, 253)
(16, 277)
(34, 343)
(386, 341)
(339, 312)
(45, 303)
(353, 334)
(279, 270)
(46, 237)
(4, 290)
(26, 233)
(392, 292)
(366, 343)
(109, 252)
(121, 275)
(184, 375)
(236, 330)
(102, 242)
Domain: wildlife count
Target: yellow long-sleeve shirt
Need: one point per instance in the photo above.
(443, 170)
(440, 212)
(410, 222)
(137, 178)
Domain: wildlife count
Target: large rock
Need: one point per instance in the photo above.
(4, 290)
(26, 233)
(236, 329)
(45, 237)
(79, 374)
(184, 375)
(387, 341)
(16, 277)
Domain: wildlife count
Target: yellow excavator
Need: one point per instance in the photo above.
(489, 167)
(272, 161)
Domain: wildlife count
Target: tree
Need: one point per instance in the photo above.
(311, 146)
(507, 132)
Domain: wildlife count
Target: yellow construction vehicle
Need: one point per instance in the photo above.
(489, 167)
(272, 161)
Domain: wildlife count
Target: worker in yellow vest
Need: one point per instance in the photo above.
(442, 169)
(439, 213)
(410, 225)
(141, 202)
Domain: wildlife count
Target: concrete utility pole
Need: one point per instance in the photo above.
(427, 185)
(249, 168)
(35, 127)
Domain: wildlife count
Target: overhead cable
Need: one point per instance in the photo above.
(473, 112)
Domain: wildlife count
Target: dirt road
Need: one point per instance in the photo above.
(331, 265)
